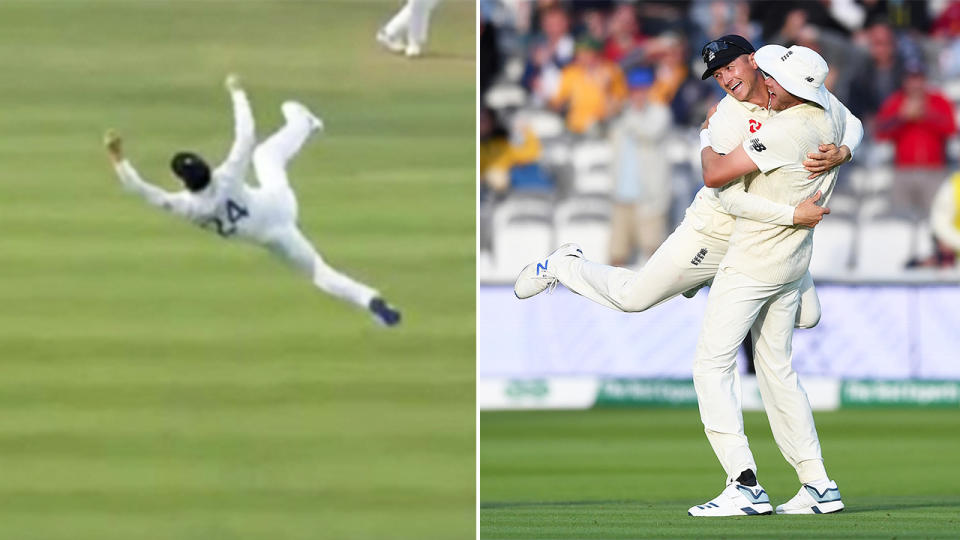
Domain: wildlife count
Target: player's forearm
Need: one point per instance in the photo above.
(132, 182)
(739, 203)
(716, 172)
(852, 134)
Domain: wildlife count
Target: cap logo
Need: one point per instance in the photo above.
(711, 55)
(784, 57)
(809, 79)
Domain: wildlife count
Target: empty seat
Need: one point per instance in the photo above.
(884, 245)
(503, 95)
(585, 221)
(546, 124)
(597, 182)
(832, 247)
(518, 242)
(592, 156)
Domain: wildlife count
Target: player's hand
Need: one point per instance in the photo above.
(807, 213)
(114, 144)
(827, 157)
(232, 82)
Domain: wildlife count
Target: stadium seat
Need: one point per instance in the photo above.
(546, 124)
(923, 240)
(871, 207)
(884, 245)
(592, 156)
(519, 241)
(832, 247)
(585, 221)
(844, 205)
(503, 95)
(598, 182)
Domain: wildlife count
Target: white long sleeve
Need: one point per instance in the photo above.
(154, 196)
(234, 168)
(737, 202)
(853, 132)
(942, 214)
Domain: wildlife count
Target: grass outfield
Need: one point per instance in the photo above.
(157, 382)
(615, 473)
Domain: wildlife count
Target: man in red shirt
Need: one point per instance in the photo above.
(918, 120)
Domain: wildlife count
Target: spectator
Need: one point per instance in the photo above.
(591, 88)
(624, 34)
(919, 121)
(549, 54)
(670, 53)
(506, 160)
(641, 174)
(490, 60)
(880, 77)
(945, 222)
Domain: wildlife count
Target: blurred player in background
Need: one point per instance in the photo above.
(406, 32)
(222, 201)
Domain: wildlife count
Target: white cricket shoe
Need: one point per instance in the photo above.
(392, 43)
(735, 500)
(413, 50)
(293, 109)
(537, 276)
(810, 500)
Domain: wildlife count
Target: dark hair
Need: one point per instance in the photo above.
(191, 169)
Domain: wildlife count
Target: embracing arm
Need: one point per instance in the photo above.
(829, 156)
(719, 170)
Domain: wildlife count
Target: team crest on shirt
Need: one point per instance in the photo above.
(757, 145)
(754, 125)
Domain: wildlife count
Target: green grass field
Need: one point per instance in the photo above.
(157, 382)
(615, 473)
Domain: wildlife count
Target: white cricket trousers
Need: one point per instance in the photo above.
(284, 238)
(736, 303)
(414, 19)
(687, 259)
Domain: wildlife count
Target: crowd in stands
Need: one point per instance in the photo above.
(603, 99)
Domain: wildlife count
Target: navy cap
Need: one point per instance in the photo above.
(722, 51)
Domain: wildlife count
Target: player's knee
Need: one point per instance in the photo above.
(634, 305)
(808, 319)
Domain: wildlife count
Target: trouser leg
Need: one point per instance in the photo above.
(735, 301)
(660, 279)
(291, 246)
(786, 403)
(400, 22)
(808, 314)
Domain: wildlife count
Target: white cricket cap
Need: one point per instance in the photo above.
(799, 70)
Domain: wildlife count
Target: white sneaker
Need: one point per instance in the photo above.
(537, 276)
(392, 44)
(413, 50)
(293, 109)
(735, 500)
(810, 500)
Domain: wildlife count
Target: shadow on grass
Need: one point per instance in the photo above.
(859, 509)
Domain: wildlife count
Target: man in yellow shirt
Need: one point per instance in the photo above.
(591, 88)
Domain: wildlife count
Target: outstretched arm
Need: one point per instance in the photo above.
(244, 140)
(132, 181)
(738, 202)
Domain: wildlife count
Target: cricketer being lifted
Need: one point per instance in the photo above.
(221, 201)
(758, 286)
(689, 258)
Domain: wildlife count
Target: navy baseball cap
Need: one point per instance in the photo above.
(722, 51)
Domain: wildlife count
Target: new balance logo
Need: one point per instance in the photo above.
(757, 145)
(542, 266)
(698, 258)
